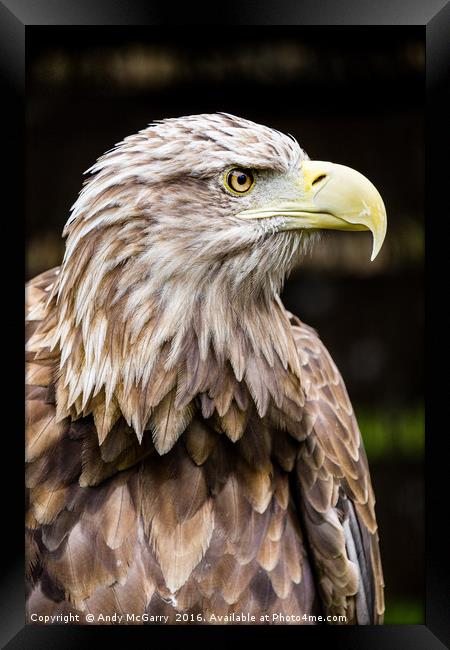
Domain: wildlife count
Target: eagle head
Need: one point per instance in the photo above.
(210, 198)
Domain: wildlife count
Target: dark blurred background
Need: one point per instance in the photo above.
(350, 95)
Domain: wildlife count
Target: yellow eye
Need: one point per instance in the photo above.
(239, 181)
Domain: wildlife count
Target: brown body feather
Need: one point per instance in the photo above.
(245, 512)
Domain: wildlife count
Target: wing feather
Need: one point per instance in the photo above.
(335, 492)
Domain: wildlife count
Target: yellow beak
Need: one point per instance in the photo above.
(330, 197)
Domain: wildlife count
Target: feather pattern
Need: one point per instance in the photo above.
(332, 467)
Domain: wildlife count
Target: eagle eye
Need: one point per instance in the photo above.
(239, 181)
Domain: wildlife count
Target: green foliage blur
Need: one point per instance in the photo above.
(393, 433)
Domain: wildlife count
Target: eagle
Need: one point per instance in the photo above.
(192, 455)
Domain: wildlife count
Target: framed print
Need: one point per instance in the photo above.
(226, 234)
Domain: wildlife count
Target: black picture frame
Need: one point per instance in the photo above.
(17, 17)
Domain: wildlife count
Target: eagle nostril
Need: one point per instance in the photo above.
(318, 179)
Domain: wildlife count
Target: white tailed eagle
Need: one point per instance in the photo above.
(191, 447)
